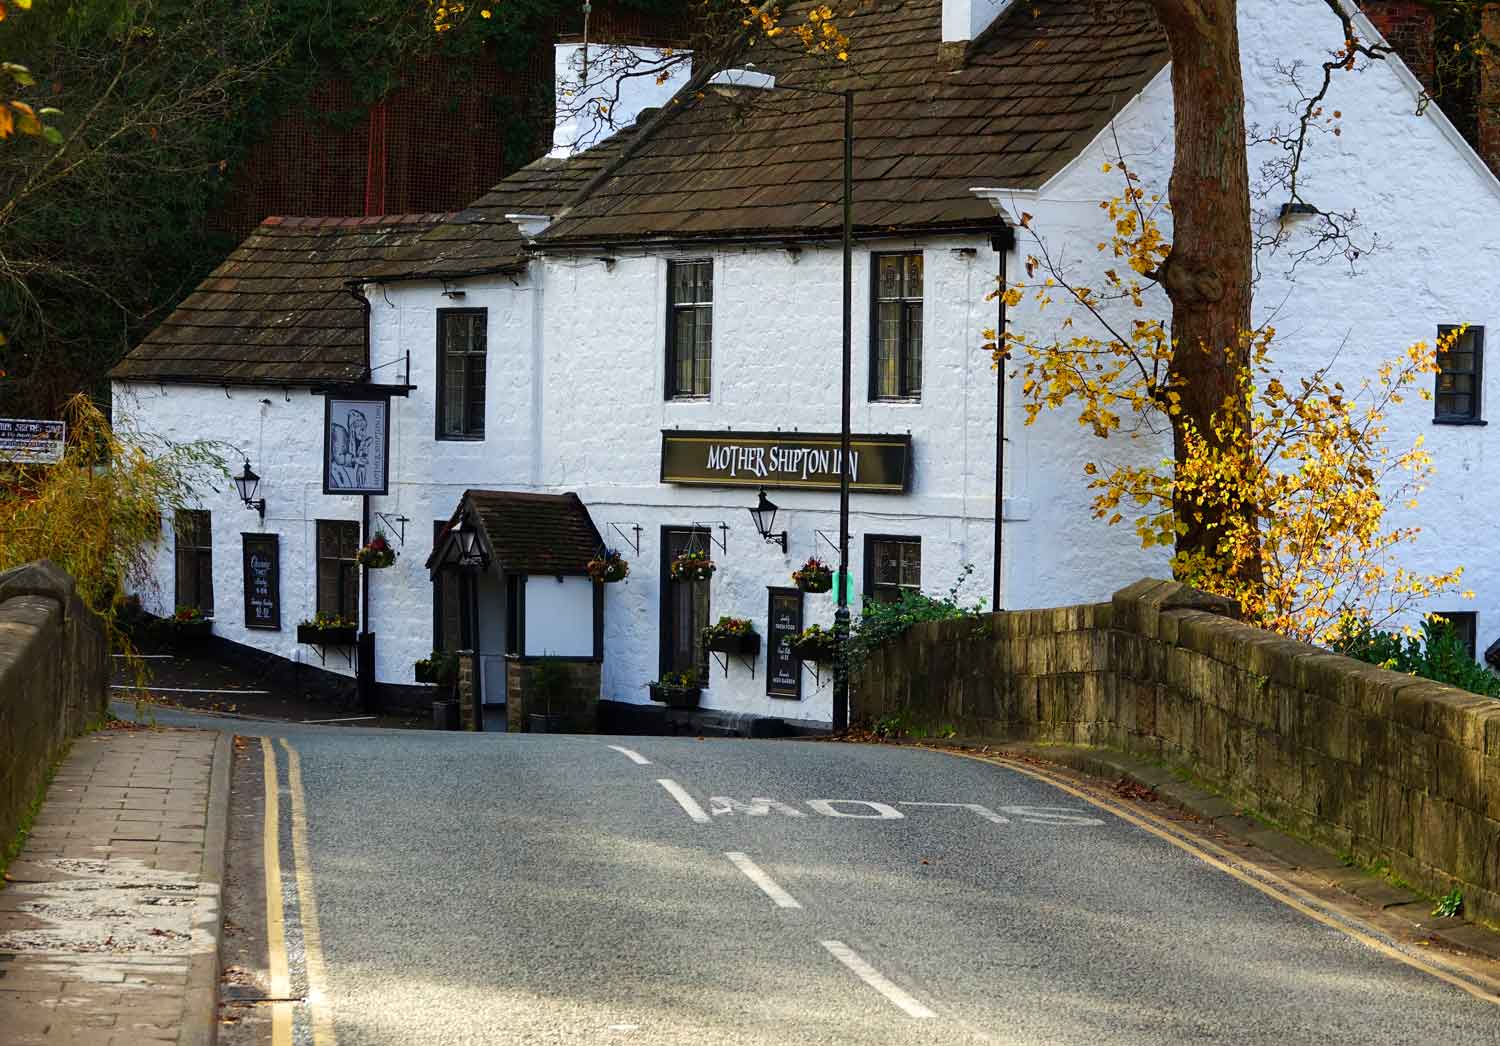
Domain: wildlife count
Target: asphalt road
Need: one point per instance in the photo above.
(544, 889)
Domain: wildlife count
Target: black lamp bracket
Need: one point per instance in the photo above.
(395, 524)
(830, 541)
(632, 539)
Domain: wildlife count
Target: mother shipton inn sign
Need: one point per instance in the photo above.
(808, 461)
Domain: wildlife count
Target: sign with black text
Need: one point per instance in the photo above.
(783, 623)
(28, 441)
(262, 581)
(356, 437)
(808, 461)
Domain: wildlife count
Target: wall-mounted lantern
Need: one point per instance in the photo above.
(764, 514)
(247, 483)
(470, 552)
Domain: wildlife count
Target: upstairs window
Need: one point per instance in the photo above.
(338, 573)
(194, 551)
(896, 333)
(690, 328)
(461, 362)
(893, 566)
(1459, 369)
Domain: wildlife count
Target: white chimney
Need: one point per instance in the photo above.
(619, 81)
(963, 20)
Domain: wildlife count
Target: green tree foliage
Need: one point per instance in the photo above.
(880, 622)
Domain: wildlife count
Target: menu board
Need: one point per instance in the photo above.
(262, 582)
(784, 622)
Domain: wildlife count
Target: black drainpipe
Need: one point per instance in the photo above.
(364, 673)
(1002, 241)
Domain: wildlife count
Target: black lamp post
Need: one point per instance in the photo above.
(470, 553)
(764, 515)
(247, 482)
(732, 81)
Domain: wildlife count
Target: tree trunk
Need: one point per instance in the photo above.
(1207, 276)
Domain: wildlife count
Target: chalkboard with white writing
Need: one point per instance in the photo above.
(262, 582)
(784, 621)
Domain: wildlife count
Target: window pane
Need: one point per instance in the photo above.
(912, 365)
(911, 565)
(888, 350)
(702, 351)
(681, 283)
(913, 288)
(704, 272)
(349, 594)
(890, 276)
(887, 563)
(453, 396)
(682, 351)
(475, 419)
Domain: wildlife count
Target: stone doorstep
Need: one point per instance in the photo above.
(1224, 815)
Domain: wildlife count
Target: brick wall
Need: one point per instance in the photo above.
(1407, 26)
(54, 681)
(1366, 761)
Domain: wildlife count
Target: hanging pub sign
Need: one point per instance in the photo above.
(28, 441)
(783, 623)
(356, 437)
(808, 461)
(262, 581)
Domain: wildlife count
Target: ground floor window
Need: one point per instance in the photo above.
(338, 573)
(193, 531)
(684, 607)
(1465, 627)
(893, 565)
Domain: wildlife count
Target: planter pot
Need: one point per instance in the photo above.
(544, 723)
(445, 715)
(816, 584)
(312, 635)
(377, 562)
(820, 653)
(746, 645)
(192, 631)
(677, 696)
(610, 577)
(423, 672)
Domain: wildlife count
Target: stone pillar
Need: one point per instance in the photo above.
(466, 690)
(1407, 26)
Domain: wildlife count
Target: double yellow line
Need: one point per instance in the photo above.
(312, 940)
(1267, 883)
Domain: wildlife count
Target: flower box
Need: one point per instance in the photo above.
(746, 644)
(326, 635)
(676, 696)
(187, 631)
(815, 644)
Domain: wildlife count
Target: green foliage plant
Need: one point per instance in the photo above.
(1435, 653)
(880, 622)
(1450, 905)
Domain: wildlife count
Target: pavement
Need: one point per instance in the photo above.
(109, 920)
(418, 887)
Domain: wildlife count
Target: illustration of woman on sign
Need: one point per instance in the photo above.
(349, 452)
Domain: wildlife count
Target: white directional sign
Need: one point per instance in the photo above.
(30, 441)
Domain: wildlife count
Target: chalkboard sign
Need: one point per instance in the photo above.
(262, 582)
(784, 622)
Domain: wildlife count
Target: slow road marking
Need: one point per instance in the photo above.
(875, 979)
(757, 875)
(687, 802)
(631, 754)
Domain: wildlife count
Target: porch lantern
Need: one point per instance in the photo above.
(247, 482)
(764, 515)
(469, 551)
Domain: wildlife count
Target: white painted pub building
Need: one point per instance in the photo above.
(622, 346)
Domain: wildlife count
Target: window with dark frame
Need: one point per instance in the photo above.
(684, 609)
(1466, 627)
(461, 363)
(338, 573)
(896, 327)
(194, 553)
(690, 328)
(893, 565)
(1456, 399)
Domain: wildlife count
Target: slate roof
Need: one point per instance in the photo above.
(277, 310)
(1033, 90)
(535, 533)
(478, 239)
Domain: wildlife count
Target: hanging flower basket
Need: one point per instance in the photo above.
(732, 635)
(813, 576)
(609, 567)
(327, 630)
(693, 565)
(377, 555)
(677, 690)
(815, 643)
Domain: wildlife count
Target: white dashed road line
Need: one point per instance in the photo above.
(756, 875)
(873, 977)
(631, 754)
(687, 802)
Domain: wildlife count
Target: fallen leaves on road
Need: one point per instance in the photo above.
(1125, 788)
